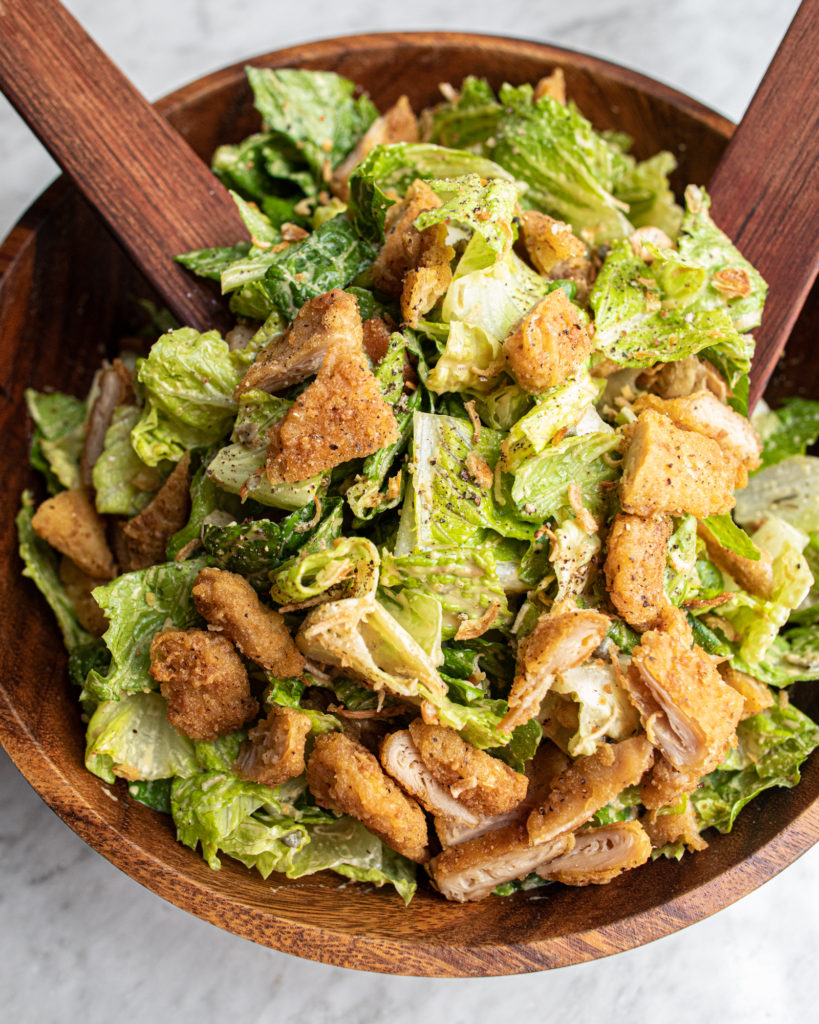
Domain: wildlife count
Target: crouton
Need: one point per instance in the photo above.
(402, 246)
(427, 281)
(548, 344)
(398, 124)
(204, 682)
(291, 357)
(755, 577)
(637, 550)
(755, 694)
(665, 829)
(142, 540)
(274, 750)
(229, 605)
(70, 523)
(555, 251)
(553, 85)
(78, 586)
(341, 416)
(345, 777)
(601, 854)
(671, 471)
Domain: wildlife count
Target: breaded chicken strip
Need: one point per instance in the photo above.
(601, 854)
(637, 551)
(341, 416)
(671, 471)
(548, 344)
(402, 246)
(755, 694)
(142, 540)
(204, 682)
(78, 586)
(755, 577)
(427, 281)
(555, 251)
(398, 124)
(229, 605)
(70, 523)
(588, 784)
(274, 751)
(482, 783)
(674, 828)
(687, 710)
(705, 414)
(471, 870)
(343, 776)
(329, 319)
(664, 786)
(559, 641)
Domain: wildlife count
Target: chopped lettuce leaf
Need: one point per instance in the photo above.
(59, 436)
(470, 362)
(470, 119)
(786, 489)
(124, 485)
(645, 188)
(347, 568)
(793, 428)
(726, 532)
(504, 405)
(681, 578)
(156, 794)
(591, 694)
(487, 208)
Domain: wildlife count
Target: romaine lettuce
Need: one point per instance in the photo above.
(786, 489)
(59, 436)
(348, 568)
(124, 485)
(486, 208)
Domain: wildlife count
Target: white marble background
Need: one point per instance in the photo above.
(79, 941)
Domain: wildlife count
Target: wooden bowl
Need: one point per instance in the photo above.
(66, 294)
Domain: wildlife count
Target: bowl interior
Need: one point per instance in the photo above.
(66, 297)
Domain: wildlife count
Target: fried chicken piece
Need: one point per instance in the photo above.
(274, 750)
(555, 251)
(588, 784)
(687, 710)
(703, 413)
(673, 471)
(78, 586)
(398, 124)
(664, 786)
(755, 694)
(427, 281)
(559, 641)
(115, 384)
(328, 320)
(664, 829)
(601, 854)
(482, 783)
(141, 541)
(376, 339)
(553, 85)
(637, 550)
(402, 246)
(341, 416)
(230, 605)
(471, 870)
(204, 682)
(684, 377)
(345, 777)
(548, 344)
(70, 523)
(755, 577)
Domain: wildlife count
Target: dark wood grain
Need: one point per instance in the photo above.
(159, 198)
(765, 194)
(65, 297)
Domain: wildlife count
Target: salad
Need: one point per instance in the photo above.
(459, 551)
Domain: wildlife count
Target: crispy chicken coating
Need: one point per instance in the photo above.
(588, 784)
(705, 414)
(376, 339)
(291, 357)
(427, 281)
(755, 577)
(664, 786)
(204, 682)
(230, 605)
(673, 471)
(398, 124)
(559, 641)
(674, 828)
(341, 416)
(70, 523)
(274, 750)
(755, 694)
(142, 540)
(548, 344)
(78, 586)
(402, 246)
(471, 870)
(637, 549)
(601, 854)
(343, 776)
(555, 251)
(482, 783)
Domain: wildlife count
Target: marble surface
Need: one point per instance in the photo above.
(80, 940)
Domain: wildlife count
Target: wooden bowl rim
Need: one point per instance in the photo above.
(373, 952)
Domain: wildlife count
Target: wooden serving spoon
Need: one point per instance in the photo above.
(160, 199)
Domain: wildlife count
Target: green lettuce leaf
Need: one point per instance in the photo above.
(347, 568)
(156, 794)
(59, 436)
(124, 485)
(786, 489)
(504, 405)
(729, 535)
(486, 208)
(592, 695)
(470, 363)
(469, 119)
(791, 430)
(645, 188)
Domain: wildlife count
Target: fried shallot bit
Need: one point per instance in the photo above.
(291, 357)
(553, 86)
(674, 827)
(588, 784)
(755, 694)
(402, 246)
(733, 282)
(471, 629)
(471, 870)
(78, 586)
(601, 854)
(70, 523)
(230, 605)
(115, 388)
(345, 777)
(675, 472)
(559, 641)
(686, 708)
(375, 339)
(274, 751)
(548, 344)
(204, 682)
(474, 419)
(426, 282)
(142, 540)
(482, 783)
(556, 252)
(341, 416)
(398, 124)
(754, 576)
(637, 551)
(585, 520)
(479, 470)
(703, 413)
(664, 786)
